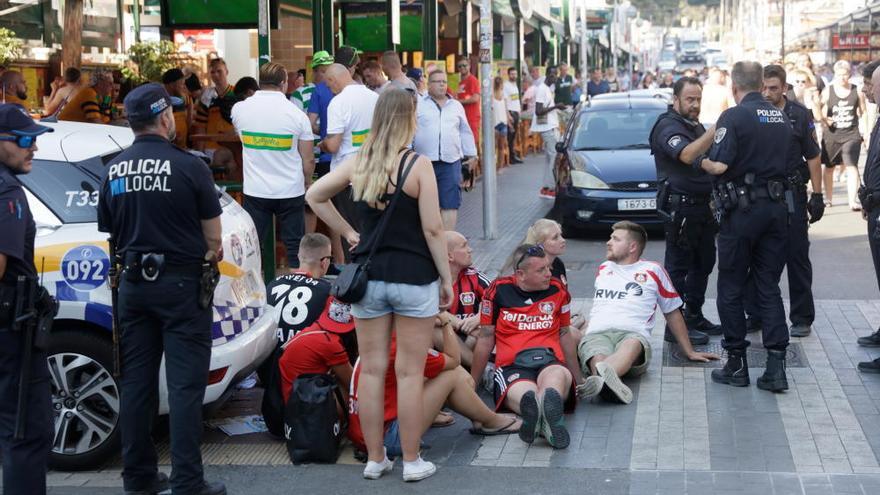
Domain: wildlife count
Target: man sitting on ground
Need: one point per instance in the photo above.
(628, 292)
(524, 316)
(467, 294)
(447, 383)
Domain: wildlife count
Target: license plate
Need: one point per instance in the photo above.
(637, 204)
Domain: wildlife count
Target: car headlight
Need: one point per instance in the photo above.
(583, 180)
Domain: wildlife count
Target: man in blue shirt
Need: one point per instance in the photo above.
(597, 85)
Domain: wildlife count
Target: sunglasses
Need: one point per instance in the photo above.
(531, 252)
(24, 142)
(463, 65)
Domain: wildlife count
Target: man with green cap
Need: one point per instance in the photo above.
(301, 97)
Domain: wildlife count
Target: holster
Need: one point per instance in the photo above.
(868, 198)
(663, 208)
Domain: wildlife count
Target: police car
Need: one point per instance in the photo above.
(72, 258)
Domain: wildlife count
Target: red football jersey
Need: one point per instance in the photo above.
(434, 364)
(467, 293)
(468, 87)
(312, 350)
(524, 320)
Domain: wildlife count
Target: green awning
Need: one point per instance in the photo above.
(503, 8)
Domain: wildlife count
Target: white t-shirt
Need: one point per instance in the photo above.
(351, 114)
(627, 297)
(511, 94)
(499, 111)
(270, 127)
(548, 121)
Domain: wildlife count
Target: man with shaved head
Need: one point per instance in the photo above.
(14, 88)
(467, 294)
(396, 78)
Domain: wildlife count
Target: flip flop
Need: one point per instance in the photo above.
(504, 430)
(443, 424)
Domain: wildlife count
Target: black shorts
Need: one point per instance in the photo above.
(505, 378)
(846, 152)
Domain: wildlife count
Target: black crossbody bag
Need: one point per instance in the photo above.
(351, 283)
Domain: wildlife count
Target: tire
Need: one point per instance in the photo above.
(86, 424)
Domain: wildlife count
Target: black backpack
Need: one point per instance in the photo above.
(313, 428)
(272, 406)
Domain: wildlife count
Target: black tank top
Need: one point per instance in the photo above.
(403, 256)
(844, 113)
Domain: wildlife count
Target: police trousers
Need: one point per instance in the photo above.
(156, 317)
(874, 239)
(291, 221)
(753, 241)
(24, 461)
(690, 253)
(799, 267)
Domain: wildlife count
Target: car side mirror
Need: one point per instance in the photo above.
(560, 147)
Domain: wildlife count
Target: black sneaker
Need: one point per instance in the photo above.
(531, 417)
(696, 337)
(553, 426)
(159, 484)
(699, 323)
(515, 160)
(872, 340)
(870, 366)
(213, 488)
(800, 330)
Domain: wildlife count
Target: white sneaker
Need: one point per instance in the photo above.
(375, 470)
(620, 391)
(591, 387)
(418, 469)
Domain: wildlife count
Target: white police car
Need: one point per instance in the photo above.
(71, 256)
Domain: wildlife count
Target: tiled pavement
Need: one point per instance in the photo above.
(681, 434)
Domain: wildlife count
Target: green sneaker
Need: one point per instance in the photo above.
(553, 424)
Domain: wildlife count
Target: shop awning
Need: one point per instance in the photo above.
(503, 8)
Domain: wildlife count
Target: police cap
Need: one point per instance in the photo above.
(14, 119)
(146, 102)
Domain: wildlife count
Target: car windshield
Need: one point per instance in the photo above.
(667, 56)
(66, 189)
(690, 45)
(614, 129)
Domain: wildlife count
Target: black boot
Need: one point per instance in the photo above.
(735, 371)
(695, 336)
(696, 321)
(774, 378)
(872, 340)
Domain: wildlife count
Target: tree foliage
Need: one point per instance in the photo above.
(150, 60)
(10, 46)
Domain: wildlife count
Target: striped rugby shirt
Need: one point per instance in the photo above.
(270, 127)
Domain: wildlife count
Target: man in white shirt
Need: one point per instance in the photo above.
(511, 97)
(349, 116)
(546, 123)
(628, 292)
(278, 158)
(444, 136)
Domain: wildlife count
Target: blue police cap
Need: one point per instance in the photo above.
(14, 119)
(146, 102)
(414, 73)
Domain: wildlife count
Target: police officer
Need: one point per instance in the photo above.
(803, 164)
(683, 200)
(162, 211)
(750, 196)
(869, 195)
(24, 460)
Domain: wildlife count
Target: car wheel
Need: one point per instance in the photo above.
(85, 400)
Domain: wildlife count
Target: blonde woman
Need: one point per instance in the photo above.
(409, 276)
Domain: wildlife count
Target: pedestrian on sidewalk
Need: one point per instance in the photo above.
(213, 102)
(408, 275)
(546, 123)
(469, 96)
(870, 195)
(843, 108)
(396, 78)
(443, 135)
(511, 97)
(500, 121)
(277, 158)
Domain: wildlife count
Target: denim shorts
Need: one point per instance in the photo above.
(414, 301)
(448, 184)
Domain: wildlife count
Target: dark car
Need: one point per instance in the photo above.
(605, 171)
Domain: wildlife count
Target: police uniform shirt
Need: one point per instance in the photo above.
(17, 226)
(747, 139)
(872, 164)
(153, 200)
(803, 144)
(669, 137)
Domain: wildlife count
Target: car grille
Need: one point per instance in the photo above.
(634, 186)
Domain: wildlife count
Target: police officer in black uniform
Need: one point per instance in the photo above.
(749, 157)
(869, 195)
(161, 208)
(683, 201)
(24, 460)
(803, 164)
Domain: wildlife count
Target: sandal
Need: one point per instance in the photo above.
(504, 430)
(442, 420)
